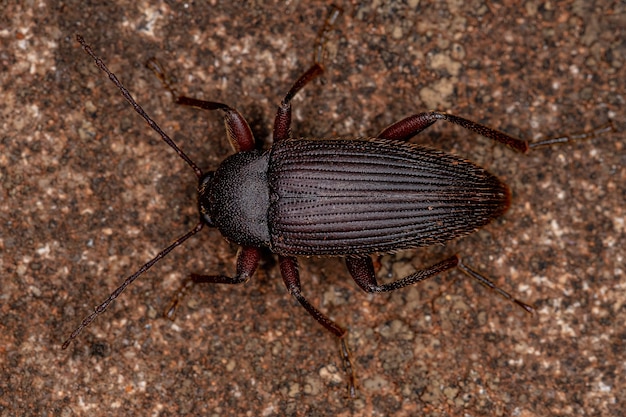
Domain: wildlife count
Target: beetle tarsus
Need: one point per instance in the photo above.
(347, 365)
(155, 66)
(487, 283)
(607, 127)
(322, 37)
(170, 312)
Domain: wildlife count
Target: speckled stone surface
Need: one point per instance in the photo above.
(89, 193)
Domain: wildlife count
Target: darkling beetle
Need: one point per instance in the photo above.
(330, 197)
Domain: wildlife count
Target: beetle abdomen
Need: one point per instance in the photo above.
(346, 197)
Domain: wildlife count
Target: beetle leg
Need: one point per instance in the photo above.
(487, 283)
(237, 129)
(408, 127)
(608, 127)
(362, 271)
(334, 12)
(412, 125)
(247, 262)
(282, 121)
(291, 277)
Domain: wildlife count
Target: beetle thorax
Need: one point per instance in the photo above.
(235, 199)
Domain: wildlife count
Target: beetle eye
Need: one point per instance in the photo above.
(204, 203)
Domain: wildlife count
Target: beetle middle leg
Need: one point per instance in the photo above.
(291, 277)
(282, 121)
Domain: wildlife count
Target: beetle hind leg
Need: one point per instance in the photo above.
(362, 270)
(282, 121)
(410, 126)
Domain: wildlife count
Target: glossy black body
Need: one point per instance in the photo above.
(308, 197)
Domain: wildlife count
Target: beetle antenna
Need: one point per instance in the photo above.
(137, 107)
(102, 307)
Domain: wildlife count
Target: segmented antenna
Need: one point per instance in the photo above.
(137, 107)
(103, 306)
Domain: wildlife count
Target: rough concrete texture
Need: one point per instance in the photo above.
(89, 193)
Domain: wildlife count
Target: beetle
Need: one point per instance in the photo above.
(335, 197)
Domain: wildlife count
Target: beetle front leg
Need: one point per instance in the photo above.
(412, 125)
(247, 263)
(237, 129)
(291, 277)
(362, 270)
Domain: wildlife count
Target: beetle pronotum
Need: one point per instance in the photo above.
(349, 198)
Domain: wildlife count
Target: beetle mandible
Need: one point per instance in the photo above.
(331, 197)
